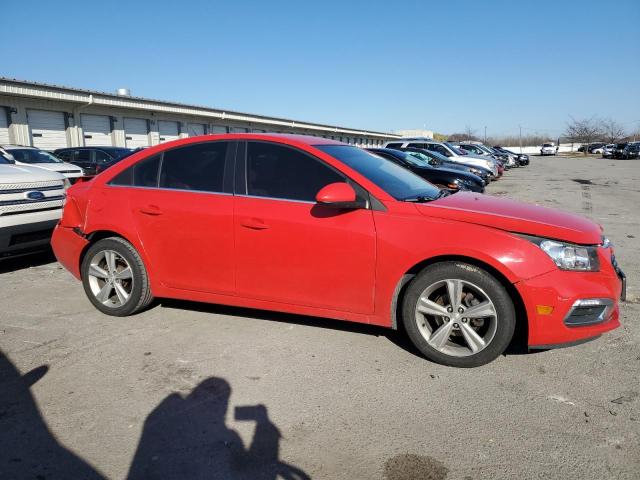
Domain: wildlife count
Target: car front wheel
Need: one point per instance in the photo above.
(114, 278)
(458, 314)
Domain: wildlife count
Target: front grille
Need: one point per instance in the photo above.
(26, 201)
(589, 312)
(40, 189)
(30, 207)
(30, 185)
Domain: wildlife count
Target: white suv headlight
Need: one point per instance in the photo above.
(568, 256)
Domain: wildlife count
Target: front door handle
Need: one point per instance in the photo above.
(254, 224)
(151, 210)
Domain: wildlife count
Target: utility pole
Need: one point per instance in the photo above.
(520, 126)
(485, 134)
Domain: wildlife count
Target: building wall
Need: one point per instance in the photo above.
(415, 133)
(19, 101)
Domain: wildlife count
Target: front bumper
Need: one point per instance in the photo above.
(25, 238)
(561, 290)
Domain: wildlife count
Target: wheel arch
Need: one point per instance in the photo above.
(522, 322)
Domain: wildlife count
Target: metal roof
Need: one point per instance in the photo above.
(12, 86)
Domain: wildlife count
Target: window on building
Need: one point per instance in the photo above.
(281, 172)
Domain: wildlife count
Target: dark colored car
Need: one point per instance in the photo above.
(438, 160)
(451, 179)
(521, 158)
(632, 150)
(618, 151)
(591, 147)
(93, 160)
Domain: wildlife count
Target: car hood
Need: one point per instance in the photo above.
(58, 167)
(21, 174)
(514, 216)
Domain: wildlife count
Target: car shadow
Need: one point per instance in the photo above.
(398, 337)
(33, 259)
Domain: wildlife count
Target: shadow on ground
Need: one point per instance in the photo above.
(183, 437)
(12, 264)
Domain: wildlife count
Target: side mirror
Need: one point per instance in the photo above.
(339, 195)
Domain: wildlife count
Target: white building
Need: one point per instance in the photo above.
(415, 133)
(51, 116)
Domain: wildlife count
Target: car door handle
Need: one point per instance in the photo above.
(254, 224)
(151, 210)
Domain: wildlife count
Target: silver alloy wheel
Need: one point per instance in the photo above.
(110, 278)
(456, 317)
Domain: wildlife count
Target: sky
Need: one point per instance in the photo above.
(383, 66)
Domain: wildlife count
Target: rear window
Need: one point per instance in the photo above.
(142, 174)
(395, 146)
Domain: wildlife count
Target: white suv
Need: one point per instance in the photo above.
(31, 201)
(39, 158)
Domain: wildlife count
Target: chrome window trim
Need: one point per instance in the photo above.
(169, 189)
(277, 199)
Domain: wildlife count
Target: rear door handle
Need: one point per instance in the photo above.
(254, 224)
(151, 210)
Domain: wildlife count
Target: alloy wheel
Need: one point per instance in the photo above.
(456, 317)
(110, 278)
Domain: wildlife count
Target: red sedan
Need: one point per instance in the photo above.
(316, 227)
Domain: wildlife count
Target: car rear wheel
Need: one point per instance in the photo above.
(458, 314)
(114, 278)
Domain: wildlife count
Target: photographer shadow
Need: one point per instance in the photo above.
(28, 449)
(186, 437)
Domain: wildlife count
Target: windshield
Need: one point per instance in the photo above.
(118, 153)
(28, 155)
(418, 159)
(456, 150)
(4, 160)
(547, 145)
(397, 181)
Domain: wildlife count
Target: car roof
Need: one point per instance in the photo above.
(15, 147)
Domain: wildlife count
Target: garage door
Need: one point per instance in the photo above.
(136, 132)
(168, 131)
(4, 128)
(48, 129)
(97, 130)
(196, 129)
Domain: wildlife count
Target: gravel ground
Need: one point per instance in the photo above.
(156, 394)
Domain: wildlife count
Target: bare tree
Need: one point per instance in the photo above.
(583, 131)
(470, 133)
(612, 131)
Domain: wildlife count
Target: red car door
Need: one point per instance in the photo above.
(288, 248)
(184, 216)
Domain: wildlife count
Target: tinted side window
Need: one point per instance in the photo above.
(83, 156)
(66, 155)
(142, 174)
(281, 172)
(101, 157)
(195, 167)
(418, 145)
(395, 146)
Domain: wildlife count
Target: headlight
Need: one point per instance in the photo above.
(568, 256)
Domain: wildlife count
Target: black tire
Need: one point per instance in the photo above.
(140, 296)
(505, 320)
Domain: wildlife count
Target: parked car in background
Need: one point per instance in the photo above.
(608, 150)
(438, 160)
(93, 160)
(631, 151)
(447, 150)
(548, 149)
(596, 147)
(39, 158)
(521, 158)
(313, 226)
(453, 180)
(618, 150)
(31, 200)
(479, 149)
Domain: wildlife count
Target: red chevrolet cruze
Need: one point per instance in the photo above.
(316, 227)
